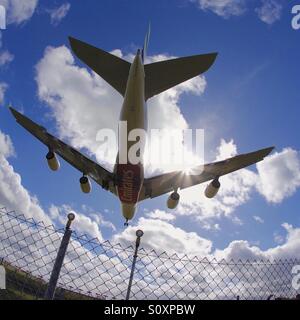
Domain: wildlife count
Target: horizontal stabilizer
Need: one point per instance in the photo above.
(111, 68)
(163, 75)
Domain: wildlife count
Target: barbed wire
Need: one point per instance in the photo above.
(101, 270)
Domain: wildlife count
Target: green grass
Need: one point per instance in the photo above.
(23, 286)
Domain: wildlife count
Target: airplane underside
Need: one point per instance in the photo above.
(137, 82)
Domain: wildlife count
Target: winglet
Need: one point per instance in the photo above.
(265, 152)
(14, 112)
(73, 43)
(25, 122)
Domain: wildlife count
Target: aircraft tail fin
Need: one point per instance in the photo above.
(111, 68)
(163, 75)
(146, 43)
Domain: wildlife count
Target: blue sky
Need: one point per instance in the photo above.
(249, 98)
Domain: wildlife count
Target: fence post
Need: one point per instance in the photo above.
(139, 234)
(50, 292)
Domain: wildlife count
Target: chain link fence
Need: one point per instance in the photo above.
(102, 270)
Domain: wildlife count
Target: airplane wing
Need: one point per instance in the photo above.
(164, 183)
(111, 68)
(85, 165)
(163, 75)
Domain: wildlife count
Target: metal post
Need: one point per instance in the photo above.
(139, 234)
(50, 292)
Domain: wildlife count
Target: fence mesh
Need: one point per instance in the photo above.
(101, 270)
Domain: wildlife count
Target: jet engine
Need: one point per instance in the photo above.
(53, 162)
(85, 184)
(173, 200)
(212, 189)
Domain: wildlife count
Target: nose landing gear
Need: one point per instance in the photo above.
(126, 223)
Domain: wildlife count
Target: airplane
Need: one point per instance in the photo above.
(137, 82)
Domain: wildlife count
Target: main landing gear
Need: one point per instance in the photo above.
(126, 223)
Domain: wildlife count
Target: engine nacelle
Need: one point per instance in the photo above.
(53, 162)
(85, 184)
(212, 189)
(173, 200)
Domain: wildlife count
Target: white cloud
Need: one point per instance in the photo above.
(270, 11)
(6, 146)
(211, 226)
(13, 195)
(236, 220)
(258, 219)
(5, 57)
(57, 14)
(288, 248)
(19, 11)
(3, 87)
(161, 215)
(163, 236)
(98, 217)
(224, 8)
(72, 92)
(226, 150)
(278, 238)
(82, 223)
(279, 175)
(103, 222)
(240, 249)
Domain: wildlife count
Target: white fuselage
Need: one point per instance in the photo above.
(130, 176)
